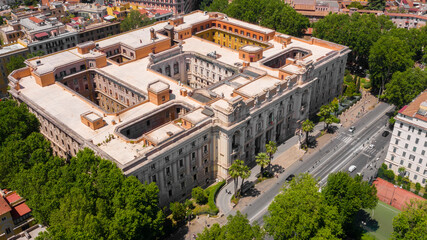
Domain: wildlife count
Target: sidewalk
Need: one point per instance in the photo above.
(287, 154)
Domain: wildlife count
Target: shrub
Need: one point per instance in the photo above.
(367, 85)
(178, 211)
(213, 191)
(189, 204)
(199, 195)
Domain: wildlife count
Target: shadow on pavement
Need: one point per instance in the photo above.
(251, 192)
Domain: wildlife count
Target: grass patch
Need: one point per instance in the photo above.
(383, 214)
(202, 209)
(234, 200)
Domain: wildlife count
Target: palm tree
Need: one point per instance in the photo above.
(244, 174)
(271, 148)
(307, 127)
(235, 172)
(263, 160)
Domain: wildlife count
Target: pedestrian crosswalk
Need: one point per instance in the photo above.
(369, 150)
(346, 139)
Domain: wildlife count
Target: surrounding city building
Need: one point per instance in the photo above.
(15, 215)
(178, 101)
(176, 6)
(408, 144)
(404, 20)
(120, 11)
(6, 52)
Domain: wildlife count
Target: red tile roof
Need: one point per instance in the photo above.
(4, 207)
(36, 20)
(39, 35)
(20, 210)
(412, 109)
(13, 198)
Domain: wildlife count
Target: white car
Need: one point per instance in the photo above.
(371, 146)
(351, 129)
(352, 168)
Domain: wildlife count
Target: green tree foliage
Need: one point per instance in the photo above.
(15, 62)
(349, 195)
(387, 56)
(90, 198)
(325, 114)
(411, 223)
(357, 5)
(1, 20)
(385, 174)
(358, 31)
(214, 6)
(405, 86)
(237, 228)
(307, 127)
(415, 39)
(273, 14)
(199, 195)
(300, 212)
(178, 211)
(235, 171)
(376, 4)
(134, 20)
(271, 149)
(262, 160)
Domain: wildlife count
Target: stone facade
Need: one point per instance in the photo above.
(176, 107)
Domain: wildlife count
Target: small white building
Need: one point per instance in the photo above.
(408, 145)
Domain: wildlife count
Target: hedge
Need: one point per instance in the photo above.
(212, 191)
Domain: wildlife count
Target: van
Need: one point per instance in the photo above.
(352, 168)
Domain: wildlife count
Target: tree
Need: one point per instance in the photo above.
(262, 160)
(417, 187)
(1, 20)
(135, 20)
(401, 171)
(214, 6)
(385, 174)
(15, 62)
(271, 149)
(299, 212)
(387, 56)
(235, 171)
(349, 195)
(178, 211)
(326, 116)
(411, 222)
(199, 195)
(245, 174)
(237, 228)
(307, 127)
(358, 31)
(376, 4)
(405, 86)
(357, 5)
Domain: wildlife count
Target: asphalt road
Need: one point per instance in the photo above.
(343, 151)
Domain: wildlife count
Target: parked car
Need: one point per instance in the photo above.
(290, 177)
(385, 133)
(352, 128)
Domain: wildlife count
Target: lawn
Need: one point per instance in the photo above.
(381, 225)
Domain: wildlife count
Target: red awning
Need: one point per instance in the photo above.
(40, 35)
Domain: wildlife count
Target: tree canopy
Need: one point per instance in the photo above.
(405, 86)
(84, 198)
(349, 195)
(237, 228)
(387, 56)
(411, 222)
(274, 14)
(358, 31)
(17, 61)
(300, 212)
(135, 20)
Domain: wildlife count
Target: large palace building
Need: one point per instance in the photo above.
(177, 102)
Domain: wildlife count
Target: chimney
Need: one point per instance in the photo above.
(153, 34)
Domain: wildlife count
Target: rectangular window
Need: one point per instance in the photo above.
(414, 149)
(396, 141)
(420, 161)
(404, 154)
(398, 133)
(181, 163)
(409, 165)
(417, 140)
(409, 137)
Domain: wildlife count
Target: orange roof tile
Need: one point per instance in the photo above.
(4, 207)
(20, 210)
(36, 20)
(13, 198)
(412, 109)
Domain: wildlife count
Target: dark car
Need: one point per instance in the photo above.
(385, 133)
(290, 177)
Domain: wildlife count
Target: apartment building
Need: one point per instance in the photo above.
(178, 101)
(178, 7)
(15, 215)
(408, 145)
